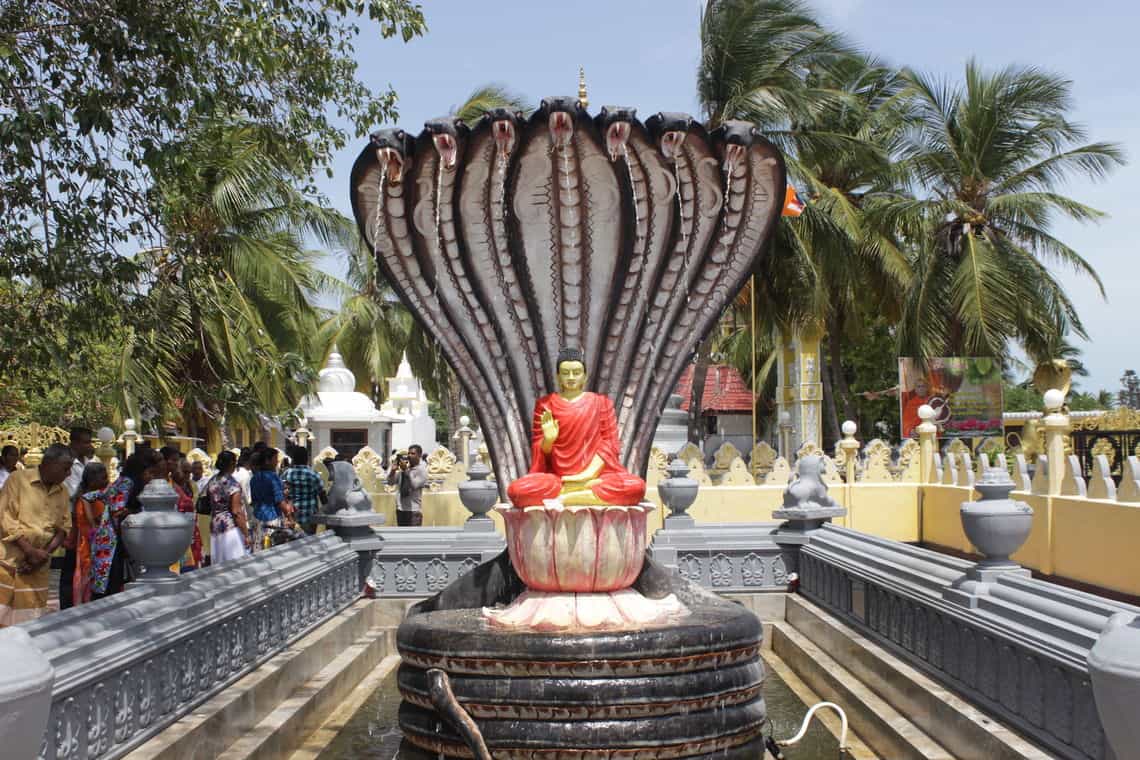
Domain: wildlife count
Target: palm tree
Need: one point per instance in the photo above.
(755, 55)
(227, 317)
(755, 59)
(843, 156)
(371, 328)
(989, 155)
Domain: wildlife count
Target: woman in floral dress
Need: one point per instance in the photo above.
(229, 528)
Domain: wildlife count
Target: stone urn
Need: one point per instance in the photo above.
(678, 491)
(1114, 668)
(996, 525)
(25, 693)
(159, 535)
(478, 494)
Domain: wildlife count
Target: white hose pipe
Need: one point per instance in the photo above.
(807, 719)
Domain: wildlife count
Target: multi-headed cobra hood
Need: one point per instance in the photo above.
(517, 236)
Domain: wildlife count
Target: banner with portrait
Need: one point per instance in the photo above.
(965, 394)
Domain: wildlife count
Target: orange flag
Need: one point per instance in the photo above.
(793, 206)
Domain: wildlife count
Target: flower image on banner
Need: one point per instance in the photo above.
(965, 394)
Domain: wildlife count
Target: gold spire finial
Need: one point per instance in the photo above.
(585, 101)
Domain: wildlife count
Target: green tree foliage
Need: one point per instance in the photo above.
(1022, 398)
(371, 328)
(1085, 402)
(485, 98)
(75, 386)
(929, 203)
(754, 57)
(989, 155)
(96, 97)
(869, 359)
(225, 317)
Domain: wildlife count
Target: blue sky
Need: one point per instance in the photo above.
(644, 54)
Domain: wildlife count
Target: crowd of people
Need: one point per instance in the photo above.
(253, 499)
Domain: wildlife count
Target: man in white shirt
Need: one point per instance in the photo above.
(243, 474)
(9, 461)
(82, 449)
(409, 475)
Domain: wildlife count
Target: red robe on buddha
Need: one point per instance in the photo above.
(586, 426)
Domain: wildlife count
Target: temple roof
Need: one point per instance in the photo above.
(337, 400)
(336, 377)
(725, 391)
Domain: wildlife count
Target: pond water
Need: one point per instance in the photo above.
(373, 733)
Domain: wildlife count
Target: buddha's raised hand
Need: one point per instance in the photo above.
(549, 427)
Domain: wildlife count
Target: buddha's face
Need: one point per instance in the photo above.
(572, 377)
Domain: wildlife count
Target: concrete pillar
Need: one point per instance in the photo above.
(850, 448)
(809, 398)
(25, 694)
(927, 442)
(104, 451)
(785, 394)
(129, 436)
(463, 436)
(1056, 428)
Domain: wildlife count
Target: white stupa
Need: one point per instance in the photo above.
(342, 418)
(408, 403)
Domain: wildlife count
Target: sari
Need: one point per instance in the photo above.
(186, 505)
(105, 536)
(82, 579)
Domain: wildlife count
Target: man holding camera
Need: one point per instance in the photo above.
(409, 475)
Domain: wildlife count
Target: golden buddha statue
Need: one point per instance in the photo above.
(574, 447)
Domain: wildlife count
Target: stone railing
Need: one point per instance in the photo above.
(1085, 526)
(128, 666)
(878, 462)
(1021, 653)
(418, 562)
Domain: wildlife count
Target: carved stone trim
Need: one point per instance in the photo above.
(161, 654)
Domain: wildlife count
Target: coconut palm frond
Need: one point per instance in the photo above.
(485, 98)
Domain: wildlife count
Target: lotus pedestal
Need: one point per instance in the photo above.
(578, 564)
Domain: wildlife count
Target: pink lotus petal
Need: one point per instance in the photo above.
(575, 548)
(555, 613)
(638, 610)
(597, 611)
